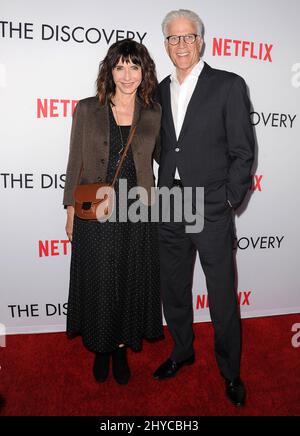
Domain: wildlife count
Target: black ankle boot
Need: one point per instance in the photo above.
(101, 366)
(120, 366)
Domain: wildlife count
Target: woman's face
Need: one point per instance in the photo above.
(127, 77)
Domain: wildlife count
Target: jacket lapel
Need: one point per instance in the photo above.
(137, 112)
(167, 109)
(102, 119)
(196, 99)
(136, 122)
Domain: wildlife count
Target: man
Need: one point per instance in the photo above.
(206, 141)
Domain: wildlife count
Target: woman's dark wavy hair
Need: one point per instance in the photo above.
(127, 50)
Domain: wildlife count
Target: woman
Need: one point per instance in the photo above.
(114, 296)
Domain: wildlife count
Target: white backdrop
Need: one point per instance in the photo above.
(49, 56)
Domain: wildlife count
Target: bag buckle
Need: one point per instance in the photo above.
(86, 205)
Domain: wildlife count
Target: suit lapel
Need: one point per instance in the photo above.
(196, 99)
(167, 108)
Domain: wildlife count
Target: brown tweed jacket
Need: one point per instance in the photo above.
(89, 145)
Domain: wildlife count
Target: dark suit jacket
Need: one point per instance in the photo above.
(216, 142)
(89, 145)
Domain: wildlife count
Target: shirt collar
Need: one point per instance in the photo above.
(195, 73)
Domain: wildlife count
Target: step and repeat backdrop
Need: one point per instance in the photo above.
(49, 57)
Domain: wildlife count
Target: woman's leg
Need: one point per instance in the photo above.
(101, 366)
(120, 365)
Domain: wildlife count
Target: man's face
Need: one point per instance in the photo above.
(183, 55)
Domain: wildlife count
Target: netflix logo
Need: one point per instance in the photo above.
(55, 108)
(243, 300)
(256, 183)
(54, 247)
(238, 48)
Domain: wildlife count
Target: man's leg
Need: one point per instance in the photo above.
(215, 245)
(177, 258)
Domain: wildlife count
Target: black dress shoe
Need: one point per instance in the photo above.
(236, 392)
(120, 366)
(101, 366)
(170, 368)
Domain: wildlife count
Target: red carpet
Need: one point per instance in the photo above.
(47, 374)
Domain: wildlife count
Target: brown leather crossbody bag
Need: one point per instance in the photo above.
(95, 201)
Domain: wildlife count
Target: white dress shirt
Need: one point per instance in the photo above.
(180, 97)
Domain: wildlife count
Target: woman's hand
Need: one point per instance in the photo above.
(70, 221)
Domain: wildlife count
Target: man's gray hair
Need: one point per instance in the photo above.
(182, 13)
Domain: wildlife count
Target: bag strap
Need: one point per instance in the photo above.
(123, 155)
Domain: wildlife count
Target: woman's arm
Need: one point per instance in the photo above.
(70, 222)
(75, 156)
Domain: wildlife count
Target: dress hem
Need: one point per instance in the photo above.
(133, 347)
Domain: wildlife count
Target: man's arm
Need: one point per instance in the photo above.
(241, 142)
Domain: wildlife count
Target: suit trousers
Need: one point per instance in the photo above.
(177, 256)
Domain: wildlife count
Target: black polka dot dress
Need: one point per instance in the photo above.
(114, 295)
